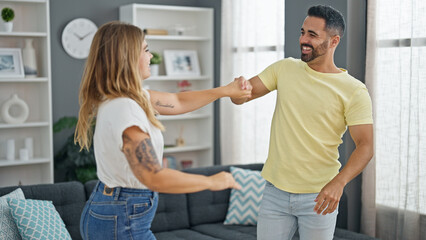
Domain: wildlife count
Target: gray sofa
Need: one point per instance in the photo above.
(196, 216)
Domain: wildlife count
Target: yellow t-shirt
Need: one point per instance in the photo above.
(312, 112)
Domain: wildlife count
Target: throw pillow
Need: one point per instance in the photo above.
(244, 204)
(8, 229)
(38, 219)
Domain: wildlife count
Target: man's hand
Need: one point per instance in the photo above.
(240, 88)
(329, 197)
(243, 84)
(331, 193)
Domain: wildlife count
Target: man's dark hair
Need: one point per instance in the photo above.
(333, 18)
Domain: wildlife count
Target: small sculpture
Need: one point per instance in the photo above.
(180, 141)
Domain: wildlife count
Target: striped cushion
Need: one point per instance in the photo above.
(244, 204)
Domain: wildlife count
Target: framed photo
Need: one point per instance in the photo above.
(11, 65)
(181, 62)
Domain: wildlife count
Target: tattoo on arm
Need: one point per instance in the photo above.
(126, 150)
(147, 157)
(144, 154)
(158, 103)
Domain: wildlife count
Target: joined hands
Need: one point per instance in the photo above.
(240, 88)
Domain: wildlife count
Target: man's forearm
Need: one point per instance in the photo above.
(358, 160)
(239, 101)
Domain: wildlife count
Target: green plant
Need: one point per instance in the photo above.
(75, 164)
(7, 14)
(156, 58)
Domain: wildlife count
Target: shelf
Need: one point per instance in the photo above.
(17, 162)
(24, 80)
(177, 78)
(24, 125)
(170, 9)
(198, 31)
(186, 149)
(22, 1)
(187, 116)
(176, 38)
(23, 34)
(33, 23)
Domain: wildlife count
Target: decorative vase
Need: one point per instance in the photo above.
(154, 69)
(8, 26)
(19, 113)
(29, 59)
(29, 145)
(10, 149)
(23, 154)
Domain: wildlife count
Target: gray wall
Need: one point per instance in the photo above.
(67, 71)
(350, 54)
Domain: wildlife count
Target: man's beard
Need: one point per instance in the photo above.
(316, 52)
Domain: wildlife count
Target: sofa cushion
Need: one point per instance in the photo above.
(207, 206)
(171, 214)
(37, 219)
(349, 235)
(8, 228)
(89, 186)
(183, 234)
(244, 204)
(231, 232)
(68, 198)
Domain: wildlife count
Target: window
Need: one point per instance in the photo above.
(252, 39)
(400, 106)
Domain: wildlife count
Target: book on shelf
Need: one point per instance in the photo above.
(169, 162)
(154, 31)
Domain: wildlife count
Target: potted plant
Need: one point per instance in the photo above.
(155, 62)
(7, 14)
(70, 162)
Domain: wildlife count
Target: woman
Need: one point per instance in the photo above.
(128, 142)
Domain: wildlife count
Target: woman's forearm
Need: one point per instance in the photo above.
(183, 102)
(193, 100)
(173, 181)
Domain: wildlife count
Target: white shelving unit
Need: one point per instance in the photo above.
(31, 21)
(197, 127)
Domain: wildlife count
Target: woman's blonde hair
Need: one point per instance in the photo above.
(111, 71)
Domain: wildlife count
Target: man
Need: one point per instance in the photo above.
(316, 102)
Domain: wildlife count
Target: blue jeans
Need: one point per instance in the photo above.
(282, 213)
(118, 213)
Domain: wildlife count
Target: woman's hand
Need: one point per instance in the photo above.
(240, 88)
(223, 180)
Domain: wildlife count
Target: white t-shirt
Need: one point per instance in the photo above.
(115, 116)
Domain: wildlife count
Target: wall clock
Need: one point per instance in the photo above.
(77, 37)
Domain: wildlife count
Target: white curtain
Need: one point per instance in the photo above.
(252, 39)
(396, 77)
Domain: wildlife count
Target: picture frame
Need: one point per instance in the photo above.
(11, 65)
(181, 63)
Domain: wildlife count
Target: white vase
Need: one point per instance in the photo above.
(29, 58)
(8, 26)
(29, 145)
(23, 154)
(154, 69)
(10, 149)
